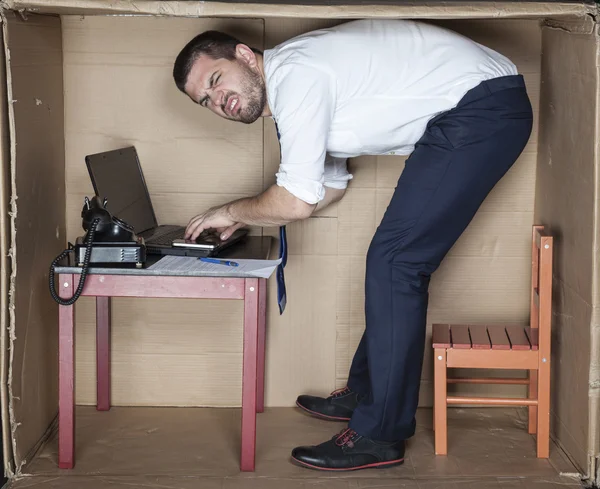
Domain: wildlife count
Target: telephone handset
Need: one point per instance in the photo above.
(108, 240)
(109, 228)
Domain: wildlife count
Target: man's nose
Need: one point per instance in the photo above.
(217, 98)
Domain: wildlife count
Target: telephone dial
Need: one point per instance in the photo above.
(108, 240)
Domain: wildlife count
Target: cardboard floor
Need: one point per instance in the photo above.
(198, 448)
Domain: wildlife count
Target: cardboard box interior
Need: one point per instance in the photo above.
(83, 84)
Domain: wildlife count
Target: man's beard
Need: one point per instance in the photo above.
(255, 94)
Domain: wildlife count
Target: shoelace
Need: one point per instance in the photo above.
(340, 392)
(347, 438)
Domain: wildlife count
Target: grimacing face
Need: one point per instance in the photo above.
(234, 89)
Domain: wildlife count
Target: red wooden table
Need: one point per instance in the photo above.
(104, 286)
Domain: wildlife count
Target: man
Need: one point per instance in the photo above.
(373, 87)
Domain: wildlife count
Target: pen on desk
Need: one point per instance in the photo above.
(218, 262)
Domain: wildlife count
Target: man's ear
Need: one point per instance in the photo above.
(245, 54)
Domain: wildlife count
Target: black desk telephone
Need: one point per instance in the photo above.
(108, 240)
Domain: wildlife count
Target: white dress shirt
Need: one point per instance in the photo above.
(365, 87)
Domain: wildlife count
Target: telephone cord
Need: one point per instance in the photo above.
(84, 271)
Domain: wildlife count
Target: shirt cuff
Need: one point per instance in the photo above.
(338, 181)
(335, 173)
(307, 190)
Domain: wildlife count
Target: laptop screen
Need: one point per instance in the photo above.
(117, 176)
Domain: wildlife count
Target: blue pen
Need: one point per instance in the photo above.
(219, 262)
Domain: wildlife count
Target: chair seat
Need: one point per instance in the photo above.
(485, 337)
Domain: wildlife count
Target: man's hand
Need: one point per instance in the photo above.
(215, 218)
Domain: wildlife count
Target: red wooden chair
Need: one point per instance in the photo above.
(502, 347)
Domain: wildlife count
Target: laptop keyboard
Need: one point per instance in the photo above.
(167, 238)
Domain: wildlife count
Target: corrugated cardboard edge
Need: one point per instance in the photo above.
(5, 194)
(35, 47)
(437, 10)
(13, 241)
(594, 376)
(587, 25)
(592, 476)
(48, 434)
(246, 10)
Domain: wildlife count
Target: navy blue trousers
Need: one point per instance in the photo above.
(461, 156)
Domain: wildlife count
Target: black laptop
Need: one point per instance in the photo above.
(117, 176)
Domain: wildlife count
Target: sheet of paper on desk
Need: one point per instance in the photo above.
(191, 265)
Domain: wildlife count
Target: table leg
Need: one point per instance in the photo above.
(249, 385)
(66, 376)
(262, 320)
(103, 317)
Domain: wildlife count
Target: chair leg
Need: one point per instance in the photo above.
(66, 376)
(439, 402)
(262, 320)
(533, 388)
(249, 375)
(103, 316)
(543, 415)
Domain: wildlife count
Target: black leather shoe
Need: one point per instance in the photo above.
(339, 406)
(350, 451)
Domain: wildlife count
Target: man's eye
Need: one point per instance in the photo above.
(217, 80)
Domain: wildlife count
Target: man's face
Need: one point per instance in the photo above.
(234, 89)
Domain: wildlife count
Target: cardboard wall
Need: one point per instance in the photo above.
(118, 91)
(496, 242)
(485, 277)
(341, 9)
(567, 192)
(5, 262)
(35, 72)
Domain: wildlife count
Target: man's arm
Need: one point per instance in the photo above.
(332, 195)
(274, 207)
(335, 176)
(305, 103)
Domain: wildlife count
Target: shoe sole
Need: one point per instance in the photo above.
(320, 415)
(377, 465)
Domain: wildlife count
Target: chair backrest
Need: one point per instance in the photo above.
(541, 287)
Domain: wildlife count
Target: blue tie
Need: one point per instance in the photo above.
(281, 294)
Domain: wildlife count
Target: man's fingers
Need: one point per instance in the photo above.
(230, 230)
(201, 226)
(189, 231)
(192, 229)
(211, 219)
